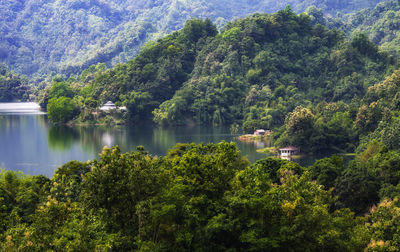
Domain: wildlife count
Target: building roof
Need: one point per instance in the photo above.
(289, 148)
(108, 106)
(260, 130)
(109, 103)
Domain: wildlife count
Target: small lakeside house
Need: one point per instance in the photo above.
(289, 151)
(108, 106)
(259, 132)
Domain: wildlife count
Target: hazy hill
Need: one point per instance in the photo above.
(381, 23)
(39, 37)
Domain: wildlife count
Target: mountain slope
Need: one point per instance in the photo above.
(381, 23)
(41, 37)
(256, 71)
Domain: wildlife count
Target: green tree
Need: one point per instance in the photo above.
(325, 171)
(61, 110)
(119, 189)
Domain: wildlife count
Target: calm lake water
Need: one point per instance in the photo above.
(31, 144)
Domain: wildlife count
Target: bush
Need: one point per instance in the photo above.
(61, 110)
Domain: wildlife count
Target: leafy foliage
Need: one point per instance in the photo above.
(12, 86)
(40, 38)
(380, 23)
(61, 110)
(203, 197)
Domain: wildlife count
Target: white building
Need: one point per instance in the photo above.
(259, 132)
(108, 106)
(289, 151)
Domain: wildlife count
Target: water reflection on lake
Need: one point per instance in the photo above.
(30, 143)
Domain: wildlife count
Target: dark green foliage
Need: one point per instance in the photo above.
(121, 186)
(372, 176)
(155, 74)
(203, 197)
(19, 198)
(269, 167)
(357, 188)
(250, 126)
(12, 86)
(263, 71)
(326, 171)
(262, 67)
(139, 105)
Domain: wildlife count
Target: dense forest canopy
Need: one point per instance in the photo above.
(381, 23)
(13, 87)
(280, 71)
(204, 197)
(325, 80)
(43, 37)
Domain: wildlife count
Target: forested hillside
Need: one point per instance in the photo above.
(381, 23)
(323, 84)
(263, 71)
(12, 86)
(43, 37)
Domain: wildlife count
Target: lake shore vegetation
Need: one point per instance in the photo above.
(204, 197)
(317, 82)
(309, 84)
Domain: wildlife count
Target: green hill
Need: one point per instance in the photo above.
(43, 37)
(256, 71)
(382, 24)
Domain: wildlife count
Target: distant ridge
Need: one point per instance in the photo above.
(38, 38)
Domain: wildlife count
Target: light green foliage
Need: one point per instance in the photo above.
(67, 181)
(265, 216)
(381, 24)
(383, 225)
(61, 110)
(60, 88)
(19, 197)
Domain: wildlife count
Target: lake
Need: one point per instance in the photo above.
(31, 144)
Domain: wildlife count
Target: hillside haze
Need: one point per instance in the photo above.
(38, 38)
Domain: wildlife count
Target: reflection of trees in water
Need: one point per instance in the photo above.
(90, 138)
(163, 138)
(43, 121)
(61, 137)
(94, 138)
(11, 122)
(7, 122)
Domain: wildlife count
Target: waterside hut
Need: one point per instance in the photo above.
(289, 151)
(259, 132)
(108, 106)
